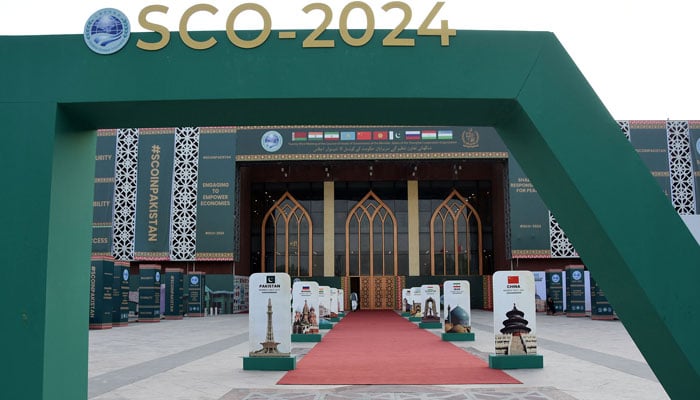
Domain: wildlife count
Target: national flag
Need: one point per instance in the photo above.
(331, 136)
(305, 288)
(347, 135)
(412, 135)
(391, 135)
(513, 279)
(364, 135)
(315, 136)
(444, 135)
(456, 286)
(380, 135)
(298, 136)
(429, 135)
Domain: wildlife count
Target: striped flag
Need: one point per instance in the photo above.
(331, 136)
(298, 136)
(347, 135)
(380, 135)
(364, 135)
(444, 135)
(429, 135)
(315, 135)
(412, 135)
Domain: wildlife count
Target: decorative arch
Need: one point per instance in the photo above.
(372, 214)
(524, 84)
(291, 228)
(450, 214)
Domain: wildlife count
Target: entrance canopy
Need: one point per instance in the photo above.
(56, 93)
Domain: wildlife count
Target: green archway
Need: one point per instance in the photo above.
(56, 93)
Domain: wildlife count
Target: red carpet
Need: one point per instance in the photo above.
(382, 348)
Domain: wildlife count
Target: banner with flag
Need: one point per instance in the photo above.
(457, 306)
(305, 306)
(514, 313)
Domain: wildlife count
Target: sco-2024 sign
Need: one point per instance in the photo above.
(312, 39)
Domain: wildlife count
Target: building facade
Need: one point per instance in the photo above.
(371, 209)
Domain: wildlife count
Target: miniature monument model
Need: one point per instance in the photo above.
(269, 346)
(515, 335)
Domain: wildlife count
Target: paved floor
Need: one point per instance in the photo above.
(201, 359)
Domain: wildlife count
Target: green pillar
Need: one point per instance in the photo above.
(173, 293)
(101, 292)
(149, 293)
(47, 170)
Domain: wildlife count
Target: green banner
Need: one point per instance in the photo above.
(649, 140)
(575, 290)
(373, 142)
(555, 289)
(154, 186)
(103, 193)
(101, 271)
(529, 217)
(216, 189)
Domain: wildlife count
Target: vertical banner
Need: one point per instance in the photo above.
(101, 281)
(103, 193)
(649, 139)
(305, 307)
(324, 302)
(216, 195)
(529, 216)
(600, 306)
(120, 294)
(514, 313)
(430, 303)
(575, 291)
(269, 330)
(406, 301)
(153, 193)
(416, 300)
(195, 294)
(341, 302)
(457, 307)
(173, 293)
(555, 291)
(334, 304)
(149, 293)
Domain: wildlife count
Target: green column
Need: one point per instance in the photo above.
(120, 294)
(600, 306)
(149, 293)
(555, 288)
(575, 291)
(173, 293)
(47, 170)
(195, 292)
(101, 282)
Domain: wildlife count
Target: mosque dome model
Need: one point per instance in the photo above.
(515, 324)
(457, 320)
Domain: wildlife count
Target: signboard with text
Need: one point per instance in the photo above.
(269, 330)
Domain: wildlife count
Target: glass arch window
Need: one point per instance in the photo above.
(287, 233)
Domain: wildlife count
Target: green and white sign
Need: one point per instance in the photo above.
(514, 313)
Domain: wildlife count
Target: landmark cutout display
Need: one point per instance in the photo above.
(305, 306)
(406, 301)
(514, 321)
(457, 307)
(269, 332)
(416, 307)
(430, 304)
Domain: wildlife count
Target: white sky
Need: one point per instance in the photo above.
(641, 57)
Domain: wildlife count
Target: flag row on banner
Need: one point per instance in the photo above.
(330, 136)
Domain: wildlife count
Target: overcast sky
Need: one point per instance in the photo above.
(641, 57)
